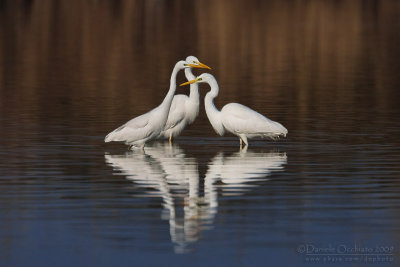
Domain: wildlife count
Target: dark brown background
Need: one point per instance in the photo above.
(99, 63)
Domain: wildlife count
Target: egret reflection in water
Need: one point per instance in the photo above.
(233, 173)
(165, 171)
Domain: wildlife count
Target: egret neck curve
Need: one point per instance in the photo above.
(166, 104)
(194, 88)
(213, 114)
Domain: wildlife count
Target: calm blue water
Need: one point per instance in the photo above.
(326, 194)
(66, 199)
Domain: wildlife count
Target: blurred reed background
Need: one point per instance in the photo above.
(108, 61)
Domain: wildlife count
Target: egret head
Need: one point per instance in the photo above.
(203, 78)
(193, 62)
(192, 59)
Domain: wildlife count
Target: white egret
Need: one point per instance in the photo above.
(184, 109)
(237, 118)
(148, 126)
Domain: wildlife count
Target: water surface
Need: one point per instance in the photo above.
(71, 71)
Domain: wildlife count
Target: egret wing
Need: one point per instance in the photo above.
(241, 119)
(135, 129)
(176, 112)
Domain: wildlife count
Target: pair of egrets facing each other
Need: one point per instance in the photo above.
(172, 116)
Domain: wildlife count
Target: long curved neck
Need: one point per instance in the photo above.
(166, 104)
(213, 114)
(194, 87)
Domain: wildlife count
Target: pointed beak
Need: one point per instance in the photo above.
(189, 82)
(199, 65)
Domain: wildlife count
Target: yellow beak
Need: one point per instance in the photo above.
(189, 82)
(199, 65)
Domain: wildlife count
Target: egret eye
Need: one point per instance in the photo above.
(200, 79)
(195, 62)
(185, 64)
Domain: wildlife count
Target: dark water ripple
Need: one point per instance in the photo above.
(72, 71)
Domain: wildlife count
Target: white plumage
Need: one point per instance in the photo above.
(148, 126)
(184, 109)
(237, 118)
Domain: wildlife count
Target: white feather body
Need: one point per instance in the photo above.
(148, 126)
(237, 118)
(184, 109)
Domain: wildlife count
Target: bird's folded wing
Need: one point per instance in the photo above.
(130, 134)
(133, 128)
(242, 119)
(174, 118)
(138, 122)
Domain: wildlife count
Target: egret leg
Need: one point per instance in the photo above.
(244, 138)
(244, 150)
(246, 142)
(240, 142)
(170, 138)
(142, 147)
